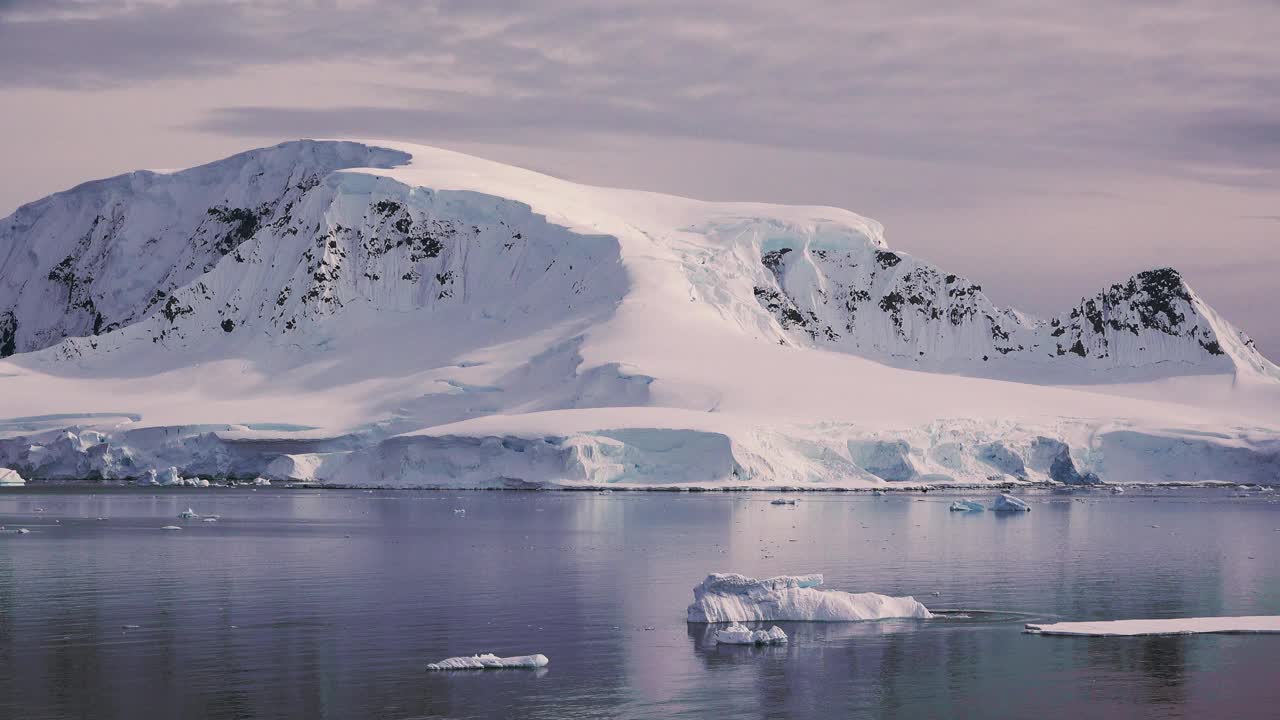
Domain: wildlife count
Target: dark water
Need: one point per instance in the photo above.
(328, 605)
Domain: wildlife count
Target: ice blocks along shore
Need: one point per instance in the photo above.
(1163, 626)
(737, 598)
(737, 634)
(966, 505)
(1009, 503)
(489, 661)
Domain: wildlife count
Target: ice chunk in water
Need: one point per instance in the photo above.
(489, 661)
(1162, 626)
(1009, 503)
(187, 514)
(737, 598)
(966, 505)
(737, 634)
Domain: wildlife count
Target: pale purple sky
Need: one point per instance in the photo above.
(1044, 151)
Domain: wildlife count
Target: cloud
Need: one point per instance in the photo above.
(1157, 87)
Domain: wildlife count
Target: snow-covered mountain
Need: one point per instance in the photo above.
(386, 313)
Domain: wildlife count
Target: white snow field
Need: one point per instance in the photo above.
(489, 661)
(737, 634)
(736, 598)
(378, 313)
(1164, 626)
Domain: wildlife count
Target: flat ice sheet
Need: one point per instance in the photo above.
(1167, 626)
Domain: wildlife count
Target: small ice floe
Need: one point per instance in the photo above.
(737, 598)
(22, 531)
(606, 491)
(966, 505)
(130, 627)
(1009, 503)
(737, 634)
(209, 519)
(187, 514)
(1163, 626)
(170, 527)
(489, 661)
(11, 478)
(1117, 490)
(782, 501)
(261, 481)
(877, 493)
(460, 512)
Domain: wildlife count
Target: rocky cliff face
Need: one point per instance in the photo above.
(874, 302)
(273, 243)
(109, 253)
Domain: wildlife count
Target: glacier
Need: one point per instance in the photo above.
(372, 313)
(730, 597)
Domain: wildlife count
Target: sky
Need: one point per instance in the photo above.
(1045, 150)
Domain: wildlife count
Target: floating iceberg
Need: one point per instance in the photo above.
(169, 476)
(1009, 503)
(737, 598)
(1165, 626)
(261, 481)
(11, 478)
(187, 514)
(737, 634)
(966, 505)
(489, 661)
(782, 501)
(170, 527)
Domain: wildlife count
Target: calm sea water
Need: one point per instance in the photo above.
(328, 604)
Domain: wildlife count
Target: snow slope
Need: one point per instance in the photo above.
(392, 314)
